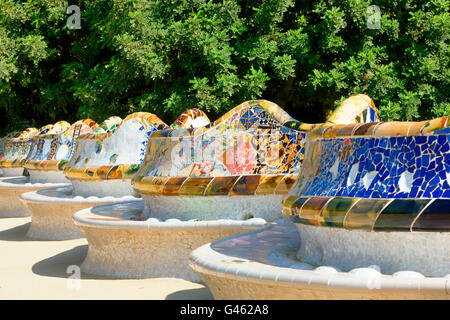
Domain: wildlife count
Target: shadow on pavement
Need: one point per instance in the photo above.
(191, 294)
(16, 234)
(56, 266)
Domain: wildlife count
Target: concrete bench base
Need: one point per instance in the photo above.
(37, 176)
(237, 207)
(121, 246)
(262, 265)
(12, 172)
(52, 209)
(424, 252)
(10, 190)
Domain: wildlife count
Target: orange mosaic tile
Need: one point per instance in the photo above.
(195, 186)
(221, 186)
(246, 185)
(173, 185)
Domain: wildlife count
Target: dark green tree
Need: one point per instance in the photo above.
(167, 56)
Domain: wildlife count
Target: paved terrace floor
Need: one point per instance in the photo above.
(31, 269)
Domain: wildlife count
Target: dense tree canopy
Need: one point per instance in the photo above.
(167, 56)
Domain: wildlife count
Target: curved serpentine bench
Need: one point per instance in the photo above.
(52, 151)
(15, 155)
(47, 162)
(199, 185)
(13, 134)
(371, 208)
(54, 157)
(41, 148)
(100, 171)
(11, 189)
(15, 147)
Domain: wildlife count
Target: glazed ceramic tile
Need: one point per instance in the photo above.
(364, 213)
(372, 167)
(435, 217)
(117, 150)
(17, 146)
(248, 142)
(378, 194)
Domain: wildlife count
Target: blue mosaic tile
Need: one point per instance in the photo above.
(391, 158)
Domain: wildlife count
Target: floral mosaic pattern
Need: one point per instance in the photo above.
(377, 177)
(246, 151)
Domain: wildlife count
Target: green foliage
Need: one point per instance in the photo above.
(167, 56)
(31, 43)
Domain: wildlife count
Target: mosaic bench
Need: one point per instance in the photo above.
(15, 146)
(41, 147)
(14, 134)
(200, 185)
(371, 214)
(99, 169)
(52, 153)
(14, 157)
